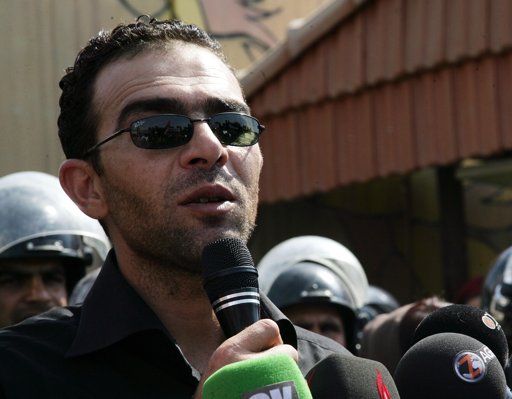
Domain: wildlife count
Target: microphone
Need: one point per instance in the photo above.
(350, 377)
(467, 320)
(450, 365)
(231, 283)
(275, 376)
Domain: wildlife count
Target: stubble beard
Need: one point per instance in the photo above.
(168, 243)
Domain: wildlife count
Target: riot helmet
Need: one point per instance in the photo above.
(39, 220)
(316, 249)
(315, 270)
(497, 292)
(312, 283)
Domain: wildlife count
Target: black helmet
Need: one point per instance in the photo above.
(497, 292)
(309, 282)
(38, 219)
(316, 249)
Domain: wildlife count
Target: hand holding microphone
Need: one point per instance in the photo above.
(231, 283)
(259, 340)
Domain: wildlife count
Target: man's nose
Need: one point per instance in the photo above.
(204, 149)
(315, 327)
(36, 290)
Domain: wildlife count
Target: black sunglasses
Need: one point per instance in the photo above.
(169, 130)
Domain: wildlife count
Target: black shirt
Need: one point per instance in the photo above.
(114, 346)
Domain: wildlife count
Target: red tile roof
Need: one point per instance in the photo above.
(365, 89)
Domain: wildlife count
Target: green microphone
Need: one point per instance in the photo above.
(268, 377)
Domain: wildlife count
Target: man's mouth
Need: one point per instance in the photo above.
(207, 195)
(204, 200)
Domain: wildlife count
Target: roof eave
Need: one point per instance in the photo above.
(301, 34)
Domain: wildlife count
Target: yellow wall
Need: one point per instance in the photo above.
(40, 38)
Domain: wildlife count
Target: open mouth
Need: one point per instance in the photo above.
(204, 200)
(207, 195)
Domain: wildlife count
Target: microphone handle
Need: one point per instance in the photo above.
(237, 309)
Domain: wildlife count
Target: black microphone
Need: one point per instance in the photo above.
(231, 282)
(467, 320)
(450, 366)
(350, 377)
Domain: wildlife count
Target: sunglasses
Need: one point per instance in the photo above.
(169, 130)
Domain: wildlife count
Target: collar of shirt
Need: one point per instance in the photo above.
(113, 311)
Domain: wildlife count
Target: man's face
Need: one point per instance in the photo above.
(166, 205)
(319, 318)
(30, 287)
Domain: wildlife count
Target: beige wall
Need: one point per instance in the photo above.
(40, 38)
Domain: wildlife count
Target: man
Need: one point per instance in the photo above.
(161, 150)
(313, 299)
(318, 283)
(46, 243)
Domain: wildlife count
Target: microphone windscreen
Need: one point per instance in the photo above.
(448, 366)
(350, 377)
(225, 253)
(467, 320)
(274, 376)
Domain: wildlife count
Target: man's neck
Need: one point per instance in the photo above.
(181, 304)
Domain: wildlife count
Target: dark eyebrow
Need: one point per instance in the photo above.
(215, 105)
(157, 105)
(207, 107)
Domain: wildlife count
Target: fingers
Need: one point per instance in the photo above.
(260, 339)
(262, 335)
(282, 349)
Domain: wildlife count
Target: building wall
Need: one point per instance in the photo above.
(393, 226)
(40, 38)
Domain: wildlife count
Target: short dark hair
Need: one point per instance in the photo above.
(78, 120)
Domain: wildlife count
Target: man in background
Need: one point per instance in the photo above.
(46, 244)
(318, 283)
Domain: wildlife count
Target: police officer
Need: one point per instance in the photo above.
(318, 283)
(46, 245)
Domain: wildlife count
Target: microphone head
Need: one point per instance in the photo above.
(467, 320)
(227, 265)
(231, 283)
(450, 365)
(274, 376)
(350, 377)
(225, 253)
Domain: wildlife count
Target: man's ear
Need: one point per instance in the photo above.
(82, 184)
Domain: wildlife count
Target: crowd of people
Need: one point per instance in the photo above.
(102, 290)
